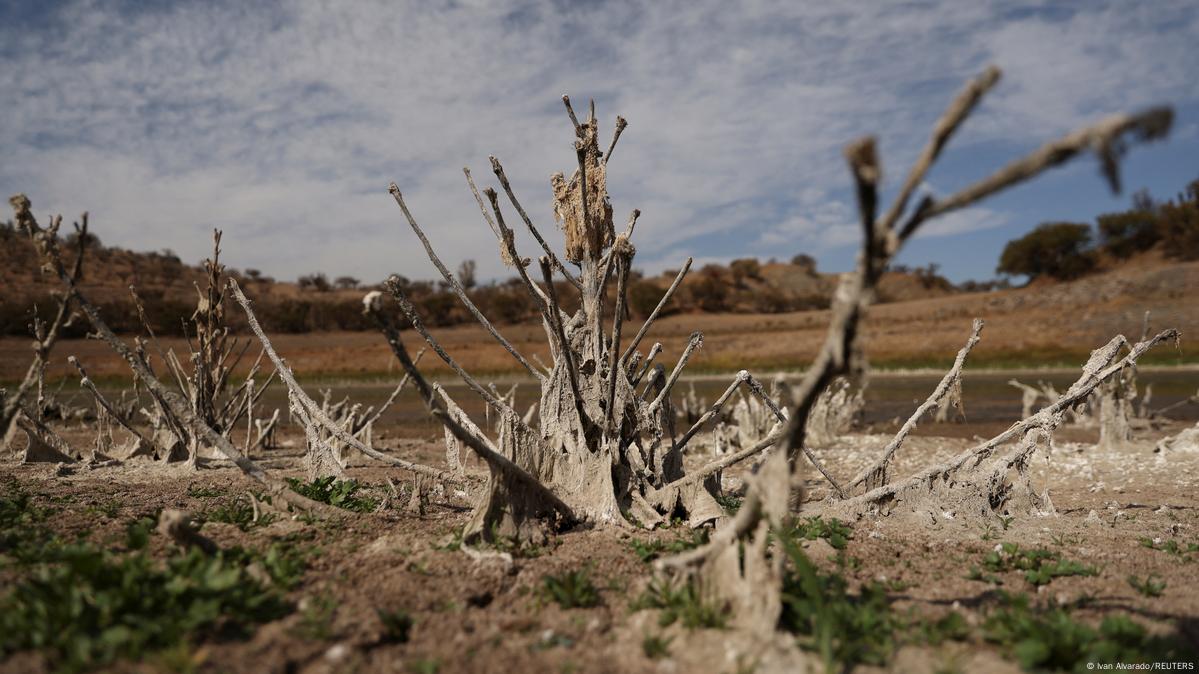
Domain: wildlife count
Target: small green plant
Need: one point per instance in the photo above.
(655, 647)
(731, 504)
(338, 493)
(239, 512)
(648, 551)
(1049, 638)
(572, 589)
(1040, 566)
(110, 509)
(83, 607)
(1182, 551)
(680, 602)
(397, 625)
(844, 629)
(949, 627)
(1149, 586)
(316, 618)
(836, 532)
(424, 666)
(196, 491)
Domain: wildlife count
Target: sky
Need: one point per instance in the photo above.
(282, 123)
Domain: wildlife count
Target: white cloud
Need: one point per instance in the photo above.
(283, 125)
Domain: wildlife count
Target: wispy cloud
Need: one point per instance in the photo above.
(282, 123)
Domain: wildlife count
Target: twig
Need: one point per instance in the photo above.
(456, 286)
(653, 316)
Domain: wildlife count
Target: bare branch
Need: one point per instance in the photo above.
(571, 111)
(653, 316)
(86, 382)
(436, 407)
(876, 474)
(696, 341)
(564, 350)
(954, 115)
(1106, 138)
(621, 123)
(397, 292)
(456, 286)
(314, 410)
(503, 178)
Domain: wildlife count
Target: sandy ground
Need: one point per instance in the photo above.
(488, 616)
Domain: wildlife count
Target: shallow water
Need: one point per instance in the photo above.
(987, 398)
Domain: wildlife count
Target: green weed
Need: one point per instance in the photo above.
(1040, 566)
(397, 625)
(655, 647)
(843, 629)
(339, 493)
(648, 551)
(837, 533)
(1049, 638)
(680, 602)
(573, 589)
(1150, 586)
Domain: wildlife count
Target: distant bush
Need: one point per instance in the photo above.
(1125, 234)
(1059, 250)
(644, 296)
(1178, 224)
(805, 261)
(318, 282)
(745, 268)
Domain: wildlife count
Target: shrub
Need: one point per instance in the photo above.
(644, 296)
(1125, 234)
(571, 590)
(805, 262)
(83, 607)
(1055, 249)
(337, 493)
(745, 268)
(1179, 224)
(680, 602)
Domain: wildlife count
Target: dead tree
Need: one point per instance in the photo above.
(601, 447)
(45, 335)
(834, 412)
(46, 243)
(737, 568)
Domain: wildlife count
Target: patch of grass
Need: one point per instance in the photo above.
(1182, 551)
(195, 491)
(655, 647)
(837, 533)
(84, 607)
(680, 602)
(1149, 586)
(338, 493)
(648, 551)
(572, 589)
(239, 512)
(397, 625)
(23, 530)
(316, 618)
(844, 629)
(949, 627)
(1049, 638)
(424, 666)
(110, 509)
(731, 504)
(1040, 566)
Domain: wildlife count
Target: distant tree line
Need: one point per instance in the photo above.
(1068, 250)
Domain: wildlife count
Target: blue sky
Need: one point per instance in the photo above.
(282, 123)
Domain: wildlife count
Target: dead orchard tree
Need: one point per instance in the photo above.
(45, 335)
(46, 243)
(737, 567)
